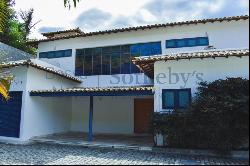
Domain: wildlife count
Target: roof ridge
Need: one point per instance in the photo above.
(135, 28)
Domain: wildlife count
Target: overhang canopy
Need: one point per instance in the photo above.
(111, 91)
(146, 64)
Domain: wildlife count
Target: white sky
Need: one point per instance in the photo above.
(93, 15)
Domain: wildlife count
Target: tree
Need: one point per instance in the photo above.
(15, 33)
(27, 19)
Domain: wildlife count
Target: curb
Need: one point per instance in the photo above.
(241, 155)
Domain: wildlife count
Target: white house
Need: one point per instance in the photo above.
(110, 82)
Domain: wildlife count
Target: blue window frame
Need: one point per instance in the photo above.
(187, 42)
(176, 98)
(56, 54)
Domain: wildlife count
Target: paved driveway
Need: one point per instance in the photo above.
(55, 154)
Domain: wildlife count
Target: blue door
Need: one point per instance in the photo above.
(10, 115)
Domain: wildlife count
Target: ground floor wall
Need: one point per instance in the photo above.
(189, 73)
(44, 116)
(111, 114)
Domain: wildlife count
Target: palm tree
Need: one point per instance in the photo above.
(3, 14)
(5, 86)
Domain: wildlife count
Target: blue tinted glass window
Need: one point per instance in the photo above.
(203, 41)
(191, 42)
(68, 53)
(59, 54)
(176, 98)
(156, 48)
(88, 62)
(125, 60)
(43, 55)
(171, 44)
(116, 60)
(79, 62)
(97, 61)
(181, 43)
(169, 100)
(135, 50)
(187, 42)
(56, 54)
(184, 99)
(51, 55)
(146, 49)
(106, 60)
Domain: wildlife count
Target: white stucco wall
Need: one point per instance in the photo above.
(41, 116)
(222, 35)
(113, 115)
(187, 74)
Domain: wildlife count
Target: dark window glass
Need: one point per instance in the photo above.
(156, 48)
(51, 55)
(43, 55)
(113, 60)
(79, 62)
(106, 55)
(88, 62)
(171, 44)
(191, 42)
(168, 100)
(59, 54)
(203, 41)
(97, 61)
(56, 54)
(187, 42)
(125, 60)
(176, 98)
(116, 60)
(146, 49)
(184, 99)
(68, 53)
(181, 43)
(135, 50)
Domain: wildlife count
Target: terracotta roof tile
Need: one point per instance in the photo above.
(146, 64)
(40, 67)
(203, 21)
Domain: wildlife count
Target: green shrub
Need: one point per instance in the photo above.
(217, 119)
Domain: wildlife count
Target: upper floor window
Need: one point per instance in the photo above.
(114, 59)
(56, 54)
(176, 98)
(187, 42)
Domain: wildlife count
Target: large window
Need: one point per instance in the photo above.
(187, 42)
(56, 54)
(113, 60)
(176, 98)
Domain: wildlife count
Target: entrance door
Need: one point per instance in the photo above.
(143, 110)
(10, 115)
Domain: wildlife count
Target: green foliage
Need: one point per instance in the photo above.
(14, 32)
(218, 118)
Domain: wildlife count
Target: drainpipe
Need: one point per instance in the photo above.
(91, 109)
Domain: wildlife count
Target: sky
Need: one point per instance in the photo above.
(95, 15)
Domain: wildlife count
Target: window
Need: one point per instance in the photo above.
(56, 54)
(176, 98)
(187, 42)
(112, 60)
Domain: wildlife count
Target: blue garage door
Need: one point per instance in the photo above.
(10, 115)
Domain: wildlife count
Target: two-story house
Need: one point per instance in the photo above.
(111, 82)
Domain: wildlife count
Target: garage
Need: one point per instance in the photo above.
(10, 115)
